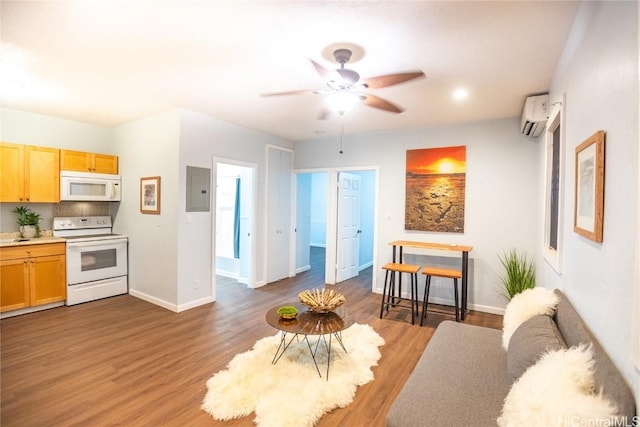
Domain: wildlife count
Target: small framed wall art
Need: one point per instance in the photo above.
(589, 192)
(150, 195)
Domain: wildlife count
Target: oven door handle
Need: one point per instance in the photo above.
(110, 242)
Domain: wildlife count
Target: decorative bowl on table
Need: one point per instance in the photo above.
(287, 312)
(321, 300)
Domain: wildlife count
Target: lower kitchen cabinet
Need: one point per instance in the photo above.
(14, 284)
(32, 275)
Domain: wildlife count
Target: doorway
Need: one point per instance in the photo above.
(317, 213)
(234, 241)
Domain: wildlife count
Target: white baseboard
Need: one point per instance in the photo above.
(486, 309)
(444, 301)
(260, 283)
(194, 304)
(170, 306)
(228, 274)
(303, 269)
(154, 300)
(367, 265)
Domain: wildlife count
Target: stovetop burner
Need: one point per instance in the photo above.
(84, 228)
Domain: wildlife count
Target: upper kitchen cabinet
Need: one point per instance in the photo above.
(81, 161)
(29, 174)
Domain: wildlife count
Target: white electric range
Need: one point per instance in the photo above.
(96, 258)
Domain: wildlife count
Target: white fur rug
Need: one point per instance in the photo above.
(290, 393)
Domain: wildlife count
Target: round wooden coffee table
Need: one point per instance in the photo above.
(323, 325)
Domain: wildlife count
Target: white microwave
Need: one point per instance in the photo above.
(83, 186)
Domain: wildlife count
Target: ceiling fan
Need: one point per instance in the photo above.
(344, 87)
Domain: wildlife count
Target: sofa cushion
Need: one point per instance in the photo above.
(607, 377)
(558, 390)
(459, 380)
(529, 342)
(524, 306)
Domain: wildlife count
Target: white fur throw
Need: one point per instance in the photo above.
(291, 393)
(557, 391)
(524, 306)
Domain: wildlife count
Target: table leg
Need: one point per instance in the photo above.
(465, 285)
(329, 356)
(400, 276)
(327, 345)
(313, 353)
(338, 336)
(284, 345)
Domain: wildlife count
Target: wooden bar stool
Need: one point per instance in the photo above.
(389, 291)
(439, 272)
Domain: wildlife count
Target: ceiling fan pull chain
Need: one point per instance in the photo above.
(341, 131)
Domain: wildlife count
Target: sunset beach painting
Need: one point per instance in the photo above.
(435, 189)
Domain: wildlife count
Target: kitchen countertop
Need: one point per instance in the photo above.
(11, 241)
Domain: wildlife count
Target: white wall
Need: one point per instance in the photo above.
(303, 221)
(501, 205)
(149, 147)
(367, 209)
(599, 74)
(201, 138)
(20, 127)
(318, 217)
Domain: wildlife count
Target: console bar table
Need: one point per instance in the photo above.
(400, 244)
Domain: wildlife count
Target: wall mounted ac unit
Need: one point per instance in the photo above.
(534, 115)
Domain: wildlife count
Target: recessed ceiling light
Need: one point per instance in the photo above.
(460, 94)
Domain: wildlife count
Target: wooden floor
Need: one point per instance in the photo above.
(125, 362)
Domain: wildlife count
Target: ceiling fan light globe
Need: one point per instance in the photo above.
(341, 102)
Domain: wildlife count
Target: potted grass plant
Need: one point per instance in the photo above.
(29, 222)
(519, 273)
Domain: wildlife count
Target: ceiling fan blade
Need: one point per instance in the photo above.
(320, 69)
(290, 92)
(382, 104)
(391, 79)
(324, 114)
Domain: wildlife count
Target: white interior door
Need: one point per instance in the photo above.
(279, 171)
(246, 272)
(348, 249)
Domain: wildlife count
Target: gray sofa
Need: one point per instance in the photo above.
(464, 374)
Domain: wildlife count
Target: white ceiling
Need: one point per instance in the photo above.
(106, 62)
